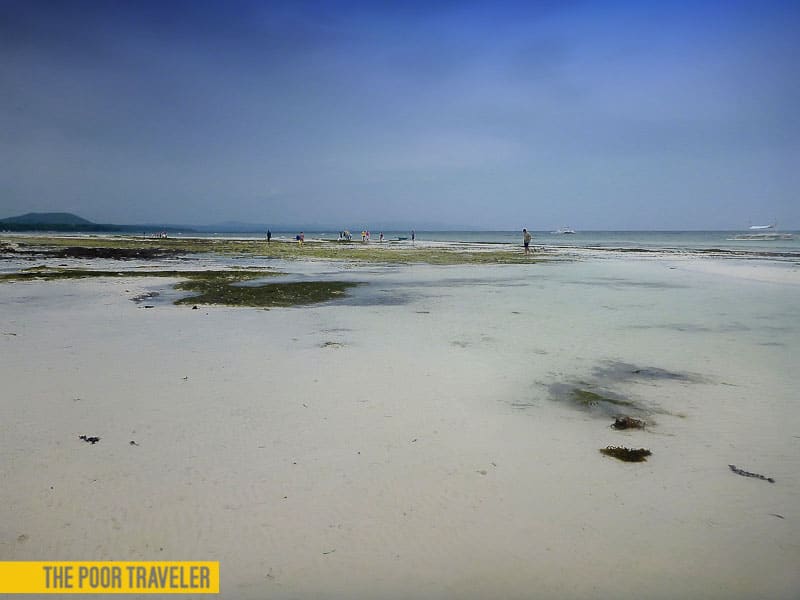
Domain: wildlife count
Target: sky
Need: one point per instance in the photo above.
(488, 115)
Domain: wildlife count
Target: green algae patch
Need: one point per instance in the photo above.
(52, 274)
(221, 291)
(598, 401)
(626, 454)
(212, 287)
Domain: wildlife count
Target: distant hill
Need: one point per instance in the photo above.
(47, 219)
(67, 222)
(52, 222)
(70, 222)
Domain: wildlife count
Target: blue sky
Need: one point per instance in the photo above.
(612, 115)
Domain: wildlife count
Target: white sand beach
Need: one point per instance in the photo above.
(414, 440)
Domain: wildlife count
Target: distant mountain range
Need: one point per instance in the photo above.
(47, 219)
(70, 222)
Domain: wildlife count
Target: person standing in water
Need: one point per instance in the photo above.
(526, 240)
(269, 236)
(413, 235)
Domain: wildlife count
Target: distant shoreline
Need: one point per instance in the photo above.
(507, 250)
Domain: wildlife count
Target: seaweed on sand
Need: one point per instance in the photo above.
(328, 250)
(220, 291)
(626, 422)
(106, 252)
(626, 454)
(744, 473)
(600, 401)
(213, 287)
(595, 394)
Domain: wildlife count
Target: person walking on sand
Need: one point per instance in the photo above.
(526, 240)
(301, 238)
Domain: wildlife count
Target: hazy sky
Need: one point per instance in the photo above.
(595, 115)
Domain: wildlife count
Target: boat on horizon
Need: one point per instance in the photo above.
(762, 233)
(564, 231)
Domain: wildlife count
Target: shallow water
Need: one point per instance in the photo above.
(692, 339)
(425, 426)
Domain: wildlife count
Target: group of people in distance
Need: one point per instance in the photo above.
(345, 236)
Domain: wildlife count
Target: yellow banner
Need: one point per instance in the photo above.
(109, 577)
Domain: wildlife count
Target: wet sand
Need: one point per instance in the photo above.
(414, 448)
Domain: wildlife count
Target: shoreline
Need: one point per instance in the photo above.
(434, 252)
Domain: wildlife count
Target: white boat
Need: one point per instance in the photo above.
(762, 233)
(564, 231)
